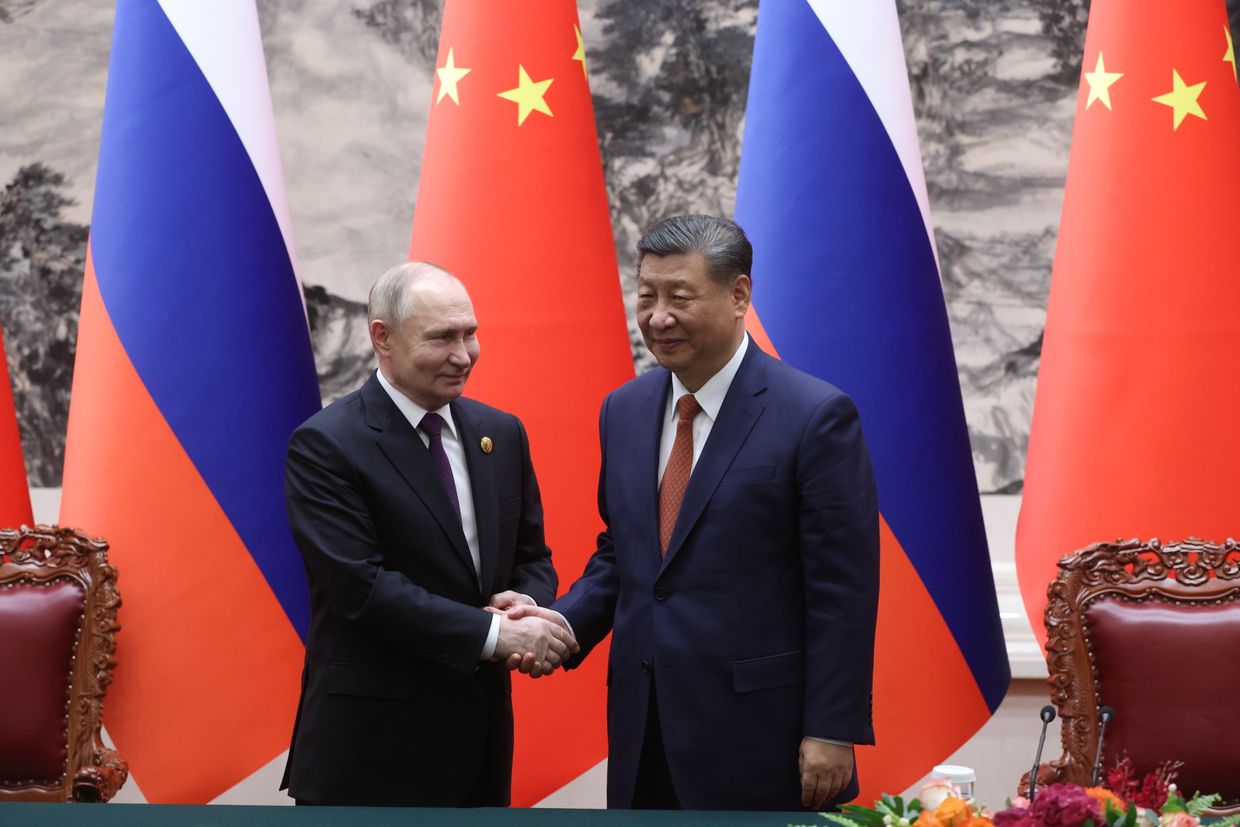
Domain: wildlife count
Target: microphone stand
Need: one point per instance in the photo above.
(1047, 714)
(1105, 714)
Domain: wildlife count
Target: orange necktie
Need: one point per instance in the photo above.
(679, 467)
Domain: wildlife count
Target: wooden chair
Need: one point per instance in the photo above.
(1153, 631)
(58, 627)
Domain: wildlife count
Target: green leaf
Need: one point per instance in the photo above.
(1130, 817)
(885, 807)
(857, 809)
(864, 816)
(842, 820)
(1200, 803)
(1174, 803)
(895, 803)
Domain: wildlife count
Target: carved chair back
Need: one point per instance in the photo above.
(1152, 631)
(58, 602)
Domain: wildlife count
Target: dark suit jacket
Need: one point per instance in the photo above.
(758, 625)
(396, 708)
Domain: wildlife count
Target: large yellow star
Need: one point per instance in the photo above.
(449, 76)
(1230, 55)
(580, 54)
(528, 96)
(1182, 99)
(1100, 81)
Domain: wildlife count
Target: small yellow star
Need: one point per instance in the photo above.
(449, 76)
(580, 54)
(1230, 55)
(1100, 82)
(528, 96)
(1182, 99)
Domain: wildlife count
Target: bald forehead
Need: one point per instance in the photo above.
(436, 286)
(394, 294)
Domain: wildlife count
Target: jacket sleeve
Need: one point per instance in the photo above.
(590, 604)
(532, 571)
(336, 535)
(838, 520)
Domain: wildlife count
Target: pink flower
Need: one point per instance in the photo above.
(1065, 805)
(1178, 820)
(1015, 817)
(1020, 803)
(935, 791)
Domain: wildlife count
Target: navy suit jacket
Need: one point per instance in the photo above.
(757, 627)
(396, 708)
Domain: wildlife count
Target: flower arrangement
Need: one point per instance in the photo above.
(1123, 800)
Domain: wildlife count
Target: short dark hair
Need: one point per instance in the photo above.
(721, 242)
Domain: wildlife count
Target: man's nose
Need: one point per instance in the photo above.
(459, 355)
(661, 318)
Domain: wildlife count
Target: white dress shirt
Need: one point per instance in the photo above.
(452, 446)
(709, 397)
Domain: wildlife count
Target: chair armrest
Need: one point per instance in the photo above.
(98, 783)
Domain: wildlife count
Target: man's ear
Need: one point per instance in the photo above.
(741, 288)
(381, 336)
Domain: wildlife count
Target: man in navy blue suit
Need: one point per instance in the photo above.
(739, 565)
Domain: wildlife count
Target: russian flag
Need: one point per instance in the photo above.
(847, 287)
(193, 368)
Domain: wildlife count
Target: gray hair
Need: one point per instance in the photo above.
(390, 297)
(721, 242)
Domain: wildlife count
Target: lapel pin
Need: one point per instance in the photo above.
(486, 444)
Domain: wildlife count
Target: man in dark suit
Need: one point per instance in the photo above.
(415, 511)
(739, 565)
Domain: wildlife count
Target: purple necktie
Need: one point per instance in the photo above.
(432, 425)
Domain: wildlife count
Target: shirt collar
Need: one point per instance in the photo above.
(412, 410)
(710, 395)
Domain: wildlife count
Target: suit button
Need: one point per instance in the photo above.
(660, 593)
(647, 666)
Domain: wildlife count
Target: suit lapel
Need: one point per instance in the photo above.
(404, 449)
(737, 415)
(486, 497)
(648, 431)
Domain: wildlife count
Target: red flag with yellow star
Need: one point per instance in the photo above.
(14, 492)
(512, 201)
(1134, 431)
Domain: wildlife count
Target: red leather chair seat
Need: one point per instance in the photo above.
(38, 625)
(1170, 671)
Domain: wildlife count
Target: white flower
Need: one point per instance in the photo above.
(888, 820)
(935, 791)
(903, 822)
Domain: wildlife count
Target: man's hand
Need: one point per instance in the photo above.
(825, 769)
(526, 663)
(542, 643)
(504, 601)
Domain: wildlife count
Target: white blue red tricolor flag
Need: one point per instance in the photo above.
(193, 368)
(847, 287)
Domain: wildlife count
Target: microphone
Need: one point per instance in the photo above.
(1105, 714)
(1047, 714)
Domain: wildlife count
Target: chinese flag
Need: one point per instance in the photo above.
(512, 201)
(1134, 424)
(14, 493)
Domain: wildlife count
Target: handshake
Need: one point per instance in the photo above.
(532, 640)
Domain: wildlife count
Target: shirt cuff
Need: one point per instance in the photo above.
(488, 648)
(831, 741)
